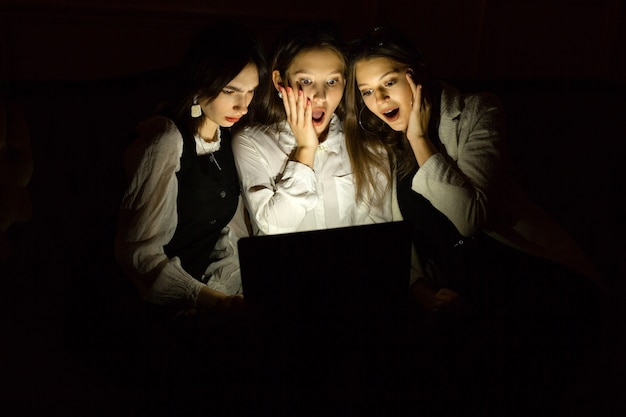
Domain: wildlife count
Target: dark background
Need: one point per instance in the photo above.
(472, 39)
(84, 72)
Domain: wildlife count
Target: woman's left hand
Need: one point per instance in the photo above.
(417, 128)
(420, 113)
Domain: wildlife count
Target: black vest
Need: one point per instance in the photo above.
(206, 202)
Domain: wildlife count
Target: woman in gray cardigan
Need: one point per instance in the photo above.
(477, 235)
(450, 175)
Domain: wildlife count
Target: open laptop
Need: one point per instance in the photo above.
(349, 269)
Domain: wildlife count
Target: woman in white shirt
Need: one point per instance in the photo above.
(294, 168)
(181, 213)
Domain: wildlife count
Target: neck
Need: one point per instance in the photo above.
(208, 131)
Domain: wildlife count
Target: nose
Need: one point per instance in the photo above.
(381, 96)
(242, 102)
(319, 93)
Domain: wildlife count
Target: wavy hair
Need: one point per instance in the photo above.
(373, 146)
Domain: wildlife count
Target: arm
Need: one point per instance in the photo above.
(224, 272)
(459, 185)
(278, 191)
(147, 220)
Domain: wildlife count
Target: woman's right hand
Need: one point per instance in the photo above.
(299, 116)
(213, 300)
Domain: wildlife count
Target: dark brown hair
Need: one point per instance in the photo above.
(217, 55)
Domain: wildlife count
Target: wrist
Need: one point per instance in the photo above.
(208, 298)
(305, 155)
(418, 138)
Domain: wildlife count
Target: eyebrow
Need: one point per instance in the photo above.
(394, 70)
(299, 72)
(237, 89)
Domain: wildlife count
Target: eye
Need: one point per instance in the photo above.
(390, 83)
(366, 93)
(305, 82)
(228, 91)
(333, 82)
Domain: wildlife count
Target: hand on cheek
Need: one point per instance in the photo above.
(299, 116)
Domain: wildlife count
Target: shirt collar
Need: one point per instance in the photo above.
(451, 104)
(203, 147)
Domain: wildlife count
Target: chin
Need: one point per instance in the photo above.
(398, 127)
(322, 129)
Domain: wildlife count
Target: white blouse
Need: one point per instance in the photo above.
(148, 220)
(286, 196)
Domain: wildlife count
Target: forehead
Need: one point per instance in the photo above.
(322, 61)
(376, 67)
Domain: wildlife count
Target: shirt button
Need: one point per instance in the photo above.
(223, 194)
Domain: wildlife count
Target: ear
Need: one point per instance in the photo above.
(277, 80)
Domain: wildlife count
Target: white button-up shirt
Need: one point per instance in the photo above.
(286, 196)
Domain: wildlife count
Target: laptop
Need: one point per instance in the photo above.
(347, 270)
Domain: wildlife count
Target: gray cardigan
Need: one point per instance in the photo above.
(473, 182)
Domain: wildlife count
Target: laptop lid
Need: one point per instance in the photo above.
(328, 271)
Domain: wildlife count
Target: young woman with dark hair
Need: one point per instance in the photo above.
(181, 214)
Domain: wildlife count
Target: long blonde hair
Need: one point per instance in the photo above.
(372, 145)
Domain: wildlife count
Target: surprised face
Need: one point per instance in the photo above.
(319, 73)
(385, 90)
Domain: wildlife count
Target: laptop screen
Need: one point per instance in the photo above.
(332, 270)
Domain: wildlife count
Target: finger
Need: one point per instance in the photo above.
(293, 103)
(418, 95)
(413, 85)
(301, 106)
(308, 112)
(409, 77)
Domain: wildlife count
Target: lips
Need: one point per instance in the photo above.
(318, 116)
(233, 119)
(392, 115)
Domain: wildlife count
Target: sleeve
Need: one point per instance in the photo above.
(148, 219)
(277, 200)
(223, 274)
(460, 188)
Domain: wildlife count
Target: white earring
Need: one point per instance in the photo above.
(280, 95)
(196, 110)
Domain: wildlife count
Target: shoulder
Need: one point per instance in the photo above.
(454, 102)
(158, 127)
(159, 133)
(158, 139)
(255, 133)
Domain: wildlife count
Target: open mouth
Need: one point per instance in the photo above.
(391, 115)
(318, 117)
